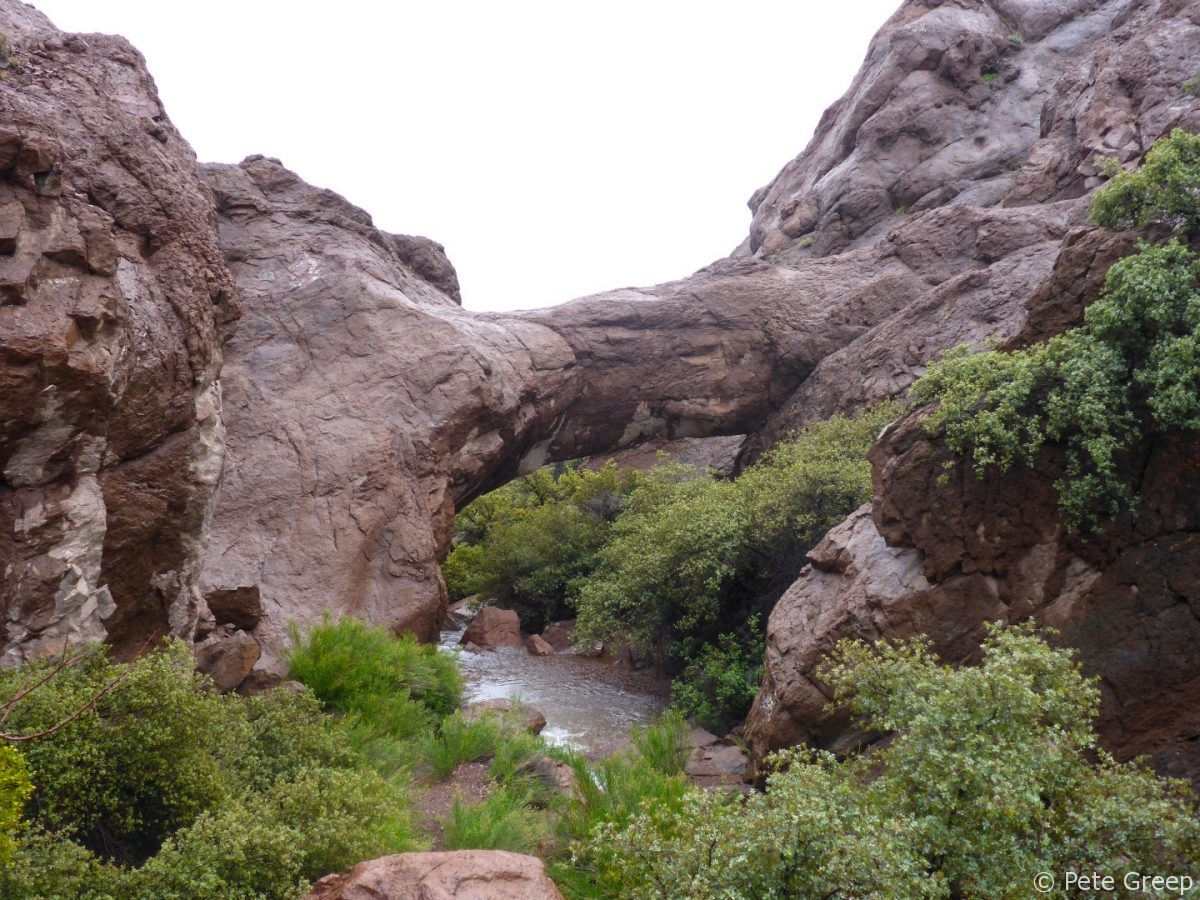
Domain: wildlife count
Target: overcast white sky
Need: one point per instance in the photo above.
(556, 148)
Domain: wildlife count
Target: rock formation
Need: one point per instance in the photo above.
(943, 557)
(942, 200)
(113, 298)
(460, 875)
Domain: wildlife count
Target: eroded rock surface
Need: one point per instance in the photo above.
(113, 296)
(944, 558)
(457, 875)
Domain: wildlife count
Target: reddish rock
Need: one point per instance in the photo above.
(558, 635)
(538, 646)
(531, 717)
(240, 607)
(942, 557)
(114, 297)
(717, 765)
(461, 875)
(227, 658)
(494, 627)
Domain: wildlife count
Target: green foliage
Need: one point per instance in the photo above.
(720, 681)
(532, 541)
(15, 788)
(1165, 190)
(991, 776)
(663, 746)
(1131, 370)
(689, 554)
(354, 667)
(164, 789)
(1016, 38)
(1191, 86)
(503, 820)
(459, 741)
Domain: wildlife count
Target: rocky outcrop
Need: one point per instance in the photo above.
(943, 557)
(113, 298)
(461, 875)
(967, 136)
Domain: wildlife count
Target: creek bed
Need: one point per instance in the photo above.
(588, 704)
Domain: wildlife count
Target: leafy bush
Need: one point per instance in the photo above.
(163, 789)
(1162, 191)
(690, 555)
(530, 542)
(15, 788)
(991, 776)
(720, 681)
(1131, 370)
(354, 667)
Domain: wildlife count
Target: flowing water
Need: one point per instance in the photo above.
(583, 705)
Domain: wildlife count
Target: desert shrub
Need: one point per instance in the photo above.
(1164, 190)
(357, 668)
(503, 820)
(720, 680)
(691, 556)
(1130, 371)
(459, 741)
(663, 746)
(164, 789)
(530, 542)
(991, 775)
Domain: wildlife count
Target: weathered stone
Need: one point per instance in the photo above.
(240, 607)
(942, 557)
(716, 765)
(227, 658)
(493, 627)
(110, 429)
(259, 681)
(461, 875)
(531, 718)
(559, 635)
(538, 646)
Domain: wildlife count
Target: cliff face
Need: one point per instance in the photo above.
(113, 294)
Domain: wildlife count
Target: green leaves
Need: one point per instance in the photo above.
(1165, 190)
(1099, 390)
(990, 774)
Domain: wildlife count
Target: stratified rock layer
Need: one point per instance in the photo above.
(113, 291)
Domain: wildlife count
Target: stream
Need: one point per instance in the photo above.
(585, 704)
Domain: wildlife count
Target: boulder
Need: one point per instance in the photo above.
(538, 646)
(558, 635)
(227, 658)
(492, 628)
(530, 717)
(461, 875)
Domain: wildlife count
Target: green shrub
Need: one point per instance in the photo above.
(1130, 371)
(354, 667)
(503, 820)
(459, 741)
(664, 745)
(530, 542)
(15, 788)
(164, 789)
(719, 681)
(690, 556)
(1162, 191)
(991, 775)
